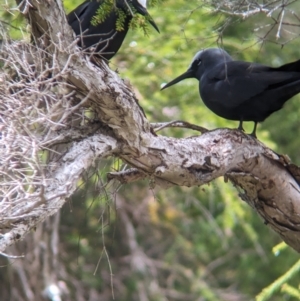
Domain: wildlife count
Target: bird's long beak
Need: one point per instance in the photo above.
(151, 21)
(188, 74)
(143, 11)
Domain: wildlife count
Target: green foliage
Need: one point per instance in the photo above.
(269, 291)
(138, 21)
(121, 20)
(103, 12)
(290, 291)
(11, 21)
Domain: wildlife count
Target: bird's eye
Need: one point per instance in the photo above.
(197, 62)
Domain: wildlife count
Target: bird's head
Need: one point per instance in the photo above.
(203, 61)
(140, 6)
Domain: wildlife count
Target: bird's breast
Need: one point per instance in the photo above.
(218, 97)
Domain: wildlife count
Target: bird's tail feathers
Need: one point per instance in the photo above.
(290, 67)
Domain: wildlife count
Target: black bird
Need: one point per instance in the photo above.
(238, 90)
(104, 37)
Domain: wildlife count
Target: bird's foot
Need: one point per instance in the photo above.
(240, 127)
(253, 134)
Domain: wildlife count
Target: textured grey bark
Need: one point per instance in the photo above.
(265, 180)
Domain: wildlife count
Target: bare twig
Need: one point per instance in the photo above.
(126, 176)
(178, 123)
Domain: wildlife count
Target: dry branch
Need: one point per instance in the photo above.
(280, 24)
(46, 97)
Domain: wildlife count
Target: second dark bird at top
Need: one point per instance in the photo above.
(238, 90)
(104, 37)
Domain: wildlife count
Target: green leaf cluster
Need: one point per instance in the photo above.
(106, 7)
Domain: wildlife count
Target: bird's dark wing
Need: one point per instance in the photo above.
(78, 12)
(236, 82)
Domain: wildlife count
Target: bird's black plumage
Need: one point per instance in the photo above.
(104, 37)
(238, 90)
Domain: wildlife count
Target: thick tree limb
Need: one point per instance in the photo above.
(265, 180)
(59, 185)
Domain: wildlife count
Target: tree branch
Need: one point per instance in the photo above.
(59, 185)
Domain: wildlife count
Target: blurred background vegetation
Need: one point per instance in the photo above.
(135, 242)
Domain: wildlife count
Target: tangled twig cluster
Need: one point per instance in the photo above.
(35, 113)
(282, 22)
(246, 8)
